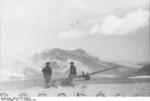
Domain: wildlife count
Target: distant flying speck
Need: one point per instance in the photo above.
(77, 23)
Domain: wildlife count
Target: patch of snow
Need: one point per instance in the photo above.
(143, 76)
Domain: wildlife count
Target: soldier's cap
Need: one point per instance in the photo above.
(47, 63)
(72, 62)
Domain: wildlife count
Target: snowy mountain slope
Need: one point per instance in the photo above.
(60, 62)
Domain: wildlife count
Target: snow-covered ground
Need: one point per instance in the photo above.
(142, 76)
(126, 89)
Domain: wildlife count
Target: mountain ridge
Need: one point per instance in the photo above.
(60, 61)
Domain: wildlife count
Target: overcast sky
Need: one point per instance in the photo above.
(109, 29)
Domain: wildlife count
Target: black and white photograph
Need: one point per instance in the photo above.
(74, 48)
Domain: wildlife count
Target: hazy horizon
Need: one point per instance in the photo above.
(109, 29)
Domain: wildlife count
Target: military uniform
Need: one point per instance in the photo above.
(47, 72)
(73, 71)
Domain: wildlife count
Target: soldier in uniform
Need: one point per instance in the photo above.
(47, 72)
(73, 70)
(73, 73)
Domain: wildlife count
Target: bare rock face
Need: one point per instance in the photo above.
(145, 70)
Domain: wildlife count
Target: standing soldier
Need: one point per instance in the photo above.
(73, 71)
(47, 72)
